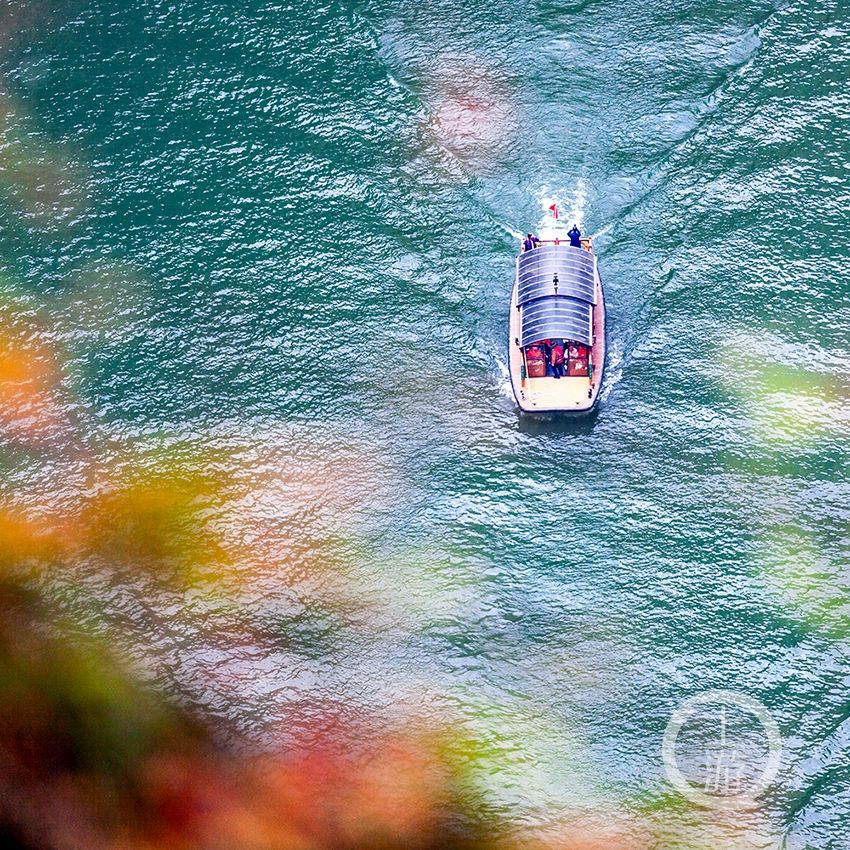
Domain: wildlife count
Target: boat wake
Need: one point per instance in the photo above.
(515, 233)
(571, 211)
(575, 213)
(505, 387)
(607, 229)
(613, 369)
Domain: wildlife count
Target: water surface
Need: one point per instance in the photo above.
(281, 234)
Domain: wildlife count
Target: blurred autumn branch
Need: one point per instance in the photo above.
(94, 754)
(95, 757)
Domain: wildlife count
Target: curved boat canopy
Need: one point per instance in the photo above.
(556, 294)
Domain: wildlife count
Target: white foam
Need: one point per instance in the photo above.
(613, 369)
(505, 387)
(570, 211)
(515, 233)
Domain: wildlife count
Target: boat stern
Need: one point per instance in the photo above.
(569, 394)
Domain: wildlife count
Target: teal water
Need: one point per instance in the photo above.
(281, 233)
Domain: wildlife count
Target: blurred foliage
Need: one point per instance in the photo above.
(38, 178)
(153, 522)
(96, 757)
(28, 381)
(797, 418)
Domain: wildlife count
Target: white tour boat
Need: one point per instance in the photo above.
(557, 303)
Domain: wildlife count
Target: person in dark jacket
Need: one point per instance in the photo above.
(530, 242)
(575, 237)
(556, 358)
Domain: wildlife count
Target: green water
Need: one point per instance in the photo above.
(282, 233)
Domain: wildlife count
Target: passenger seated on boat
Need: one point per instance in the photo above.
(535, 359)
(578, 360)
(575, 237)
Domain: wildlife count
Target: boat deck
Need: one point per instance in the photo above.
(557, 394)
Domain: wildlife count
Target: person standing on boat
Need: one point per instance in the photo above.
(556, 358)
(575, 237)
(531, 241)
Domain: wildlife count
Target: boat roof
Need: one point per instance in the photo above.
(556, 270)
(556, 294)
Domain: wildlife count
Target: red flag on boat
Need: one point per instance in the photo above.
(554, 210)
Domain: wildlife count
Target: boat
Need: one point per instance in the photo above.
(557, 299)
